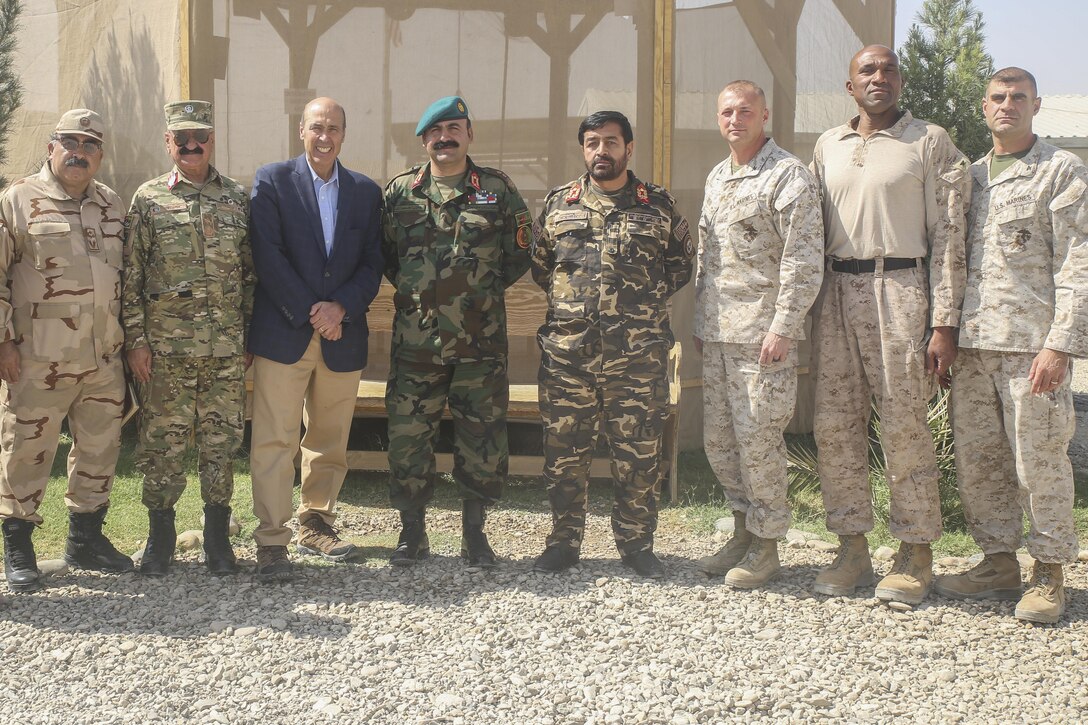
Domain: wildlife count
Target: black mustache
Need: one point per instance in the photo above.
(604, 159)
(76, 161)
(446, 145)
(185, 151)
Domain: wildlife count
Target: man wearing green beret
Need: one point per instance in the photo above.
(187, 297)
(456, 235)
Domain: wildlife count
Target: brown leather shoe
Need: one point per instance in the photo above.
(318, 538)
(273, 564)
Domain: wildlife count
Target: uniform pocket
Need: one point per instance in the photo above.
(55, 330)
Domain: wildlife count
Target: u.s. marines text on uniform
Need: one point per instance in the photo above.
(760, 265)
(1024, 318)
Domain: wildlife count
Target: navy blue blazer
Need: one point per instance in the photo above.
(293, 271)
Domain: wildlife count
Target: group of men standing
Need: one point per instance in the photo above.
(892, 241)
(926, 263)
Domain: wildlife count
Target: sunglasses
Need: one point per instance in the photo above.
(71, 144)
(201, 136)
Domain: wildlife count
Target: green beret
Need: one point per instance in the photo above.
(182, 115)
(444, 109)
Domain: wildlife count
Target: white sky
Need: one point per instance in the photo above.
(1046, 37)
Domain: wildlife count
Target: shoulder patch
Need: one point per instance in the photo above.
(523, 218)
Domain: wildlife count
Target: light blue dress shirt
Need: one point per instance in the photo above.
(328, 193)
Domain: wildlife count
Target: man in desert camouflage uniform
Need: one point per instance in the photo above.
(188, 295)
(760, 264)
(456, 236)
(610, 251)
(894, 196)
(60, 350)
(1024, 317)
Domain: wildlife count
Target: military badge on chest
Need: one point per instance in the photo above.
(481, 196)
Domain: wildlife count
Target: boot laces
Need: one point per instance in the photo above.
(272, 555)
(902, 560)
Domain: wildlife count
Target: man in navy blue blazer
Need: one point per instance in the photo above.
(315, 228)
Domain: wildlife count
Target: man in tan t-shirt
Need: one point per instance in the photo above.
(893, 191)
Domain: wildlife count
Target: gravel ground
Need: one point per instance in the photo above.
(438, 644)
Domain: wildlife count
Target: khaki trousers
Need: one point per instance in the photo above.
(284, 396)
(31, 413)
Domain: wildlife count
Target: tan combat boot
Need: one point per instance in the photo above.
(1045, 598)
(852, 568)
(997, 576)
(910, 577)
(730, 554)
(758, 566)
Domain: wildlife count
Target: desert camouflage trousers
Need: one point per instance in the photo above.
(746, 408)
(417, 394)
(869, 342)
(1012, 455)
(198, 400)
(629, 399)
(31, 413)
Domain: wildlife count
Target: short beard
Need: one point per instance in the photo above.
(617, 170)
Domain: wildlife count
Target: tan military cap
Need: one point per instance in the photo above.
(83, 121)
(181, 115)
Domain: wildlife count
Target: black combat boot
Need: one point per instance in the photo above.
(474, 547)
(88, 547)
(412, 544)
(218, 554)
(20, 564)
(162, 538)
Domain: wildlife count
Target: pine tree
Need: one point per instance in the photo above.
(11, 90)
(945, 70)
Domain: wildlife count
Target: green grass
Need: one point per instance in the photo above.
(701, 503)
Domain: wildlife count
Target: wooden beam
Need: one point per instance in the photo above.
(184, 41)
(664, 37)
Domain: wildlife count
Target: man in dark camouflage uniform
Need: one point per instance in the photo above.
(60, 348)
(456, 236)
(610, 251)
(188, 295)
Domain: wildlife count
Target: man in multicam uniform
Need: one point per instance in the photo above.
(894, 198)
(610, 251)
(760, 264)
(188, 295)
(60, 354)
(456, 236)
(1024, 317)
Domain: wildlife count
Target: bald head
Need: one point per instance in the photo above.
(876, 85)
(871, 52)
(325, 107)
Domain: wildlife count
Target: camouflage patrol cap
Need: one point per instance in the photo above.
(82, 121)
(181, 115)
(444, 109)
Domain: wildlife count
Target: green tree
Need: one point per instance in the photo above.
(11, 91)
(945, 70)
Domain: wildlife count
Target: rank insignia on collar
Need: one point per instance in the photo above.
(641, 194)
(575, 193)
(474, 181)
(418, 181)
(173, 179)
